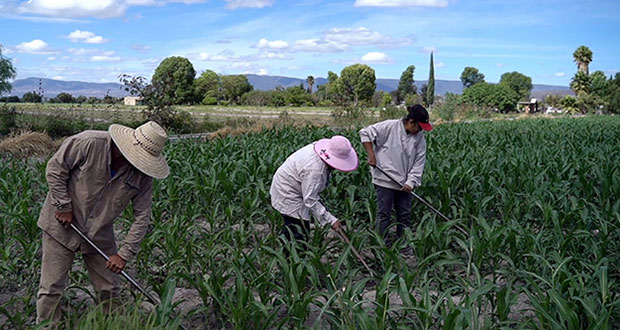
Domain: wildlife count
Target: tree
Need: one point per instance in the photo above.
(357, 84)
(581, 83)
(331, 88)
(518, 82)
(207, 87)
(430, 89)
(7, 72)
(500, 97)
(598, 83)
(583, 56)
(64, 98)
(32, 97)
(177, 73)
(310, 81)
(234, 86)
(471, 76)
(405, 84)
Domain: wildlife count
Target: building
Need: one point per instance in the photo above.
(529, 107)
(132, 100)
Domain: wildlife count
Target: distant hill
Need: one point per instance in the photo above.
(441, 86)
(52, 87)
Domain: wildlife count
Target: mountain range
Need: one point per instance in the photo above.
(51, 87)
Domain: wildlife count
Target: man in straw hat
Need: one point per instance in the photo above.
(398, 147)
(297, 183)
(92, 178)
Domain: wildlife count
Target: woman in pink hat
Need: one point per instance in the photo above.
(297, 183)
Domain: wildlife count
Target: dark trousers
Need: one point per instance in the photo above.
(299, 228)
(400, 201)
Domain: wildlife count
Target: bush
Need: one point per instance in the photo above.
(392, 112)
(7, 119)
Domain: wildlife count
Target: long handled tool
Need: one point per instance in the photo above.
(344, 237)
(125, 275)
(419, 198)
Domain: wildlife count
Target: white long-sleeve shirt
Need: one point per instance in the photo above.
(296, 186)
(399, 154)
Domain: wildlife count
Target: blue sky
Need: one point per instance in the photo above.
(98, 40)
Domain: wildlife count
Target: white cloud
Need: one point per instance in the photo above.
(376, 57)
(363, 36)
(560, 74)
(401, 3)
(439, 65)
(428, 50)
(86, 37)
(105, 58)
(51, 58)
(318, 46)
(501, 65)
(58, 77)
(266, 44)
(234, 4)
(87, 8)
(140, 48)
(36, 46)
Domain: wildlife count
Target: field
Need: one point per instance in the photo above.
(534, 240)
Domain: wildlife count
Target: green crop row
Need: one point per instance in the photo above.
(533, 240)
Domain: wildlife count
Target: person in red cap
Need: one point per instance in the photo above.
(398, 147)
(297, 183)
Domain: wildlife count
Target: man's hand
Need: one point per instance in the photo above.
(371, 160)
(65, 218)
(406, 188)
(116, 263)
(337, 225)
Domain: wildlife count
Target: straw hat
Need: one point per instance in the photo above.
(337, 152)
(142, 147)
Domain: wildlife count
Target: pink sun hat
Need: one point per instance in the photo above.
(337, 152)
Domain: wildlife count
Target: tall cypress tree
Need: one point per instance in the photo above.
(430, 90)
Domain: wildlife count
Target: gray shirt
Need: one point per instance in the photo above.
(296, 186)
(399, 154)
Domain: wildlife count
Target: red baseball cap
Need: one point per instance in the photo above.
(420, 115)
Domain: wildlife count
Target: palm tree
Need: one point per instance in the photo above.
(310, 81)
(580, 84)
(583, 56)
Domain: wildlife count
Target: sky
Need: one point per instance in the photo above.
(97, 41)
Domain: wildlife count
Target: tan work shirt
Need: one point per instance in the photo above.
(79, 179)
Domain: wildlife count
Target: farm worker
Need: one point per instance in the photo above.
(92, 178)
(297, 183)
(398, 147)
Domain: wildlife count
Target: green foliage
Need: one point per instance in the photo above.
(392, 112)
(7, 119)
(553, 100)
(581, 83)
(518, 82)
(500, 97)
(175, 77)
(405, 84)
(310, 82)
(356, 85)
(539, 249)
(7, 72)
(569, 104)
(582, 57)
(471, 76)
(207, 87)
(159, 105)
(64, 98)
(386, 99)
(234, 86)
(293, 96)
(430, 88)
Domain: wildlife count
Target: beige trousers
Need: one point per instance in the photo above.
(55, 266)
